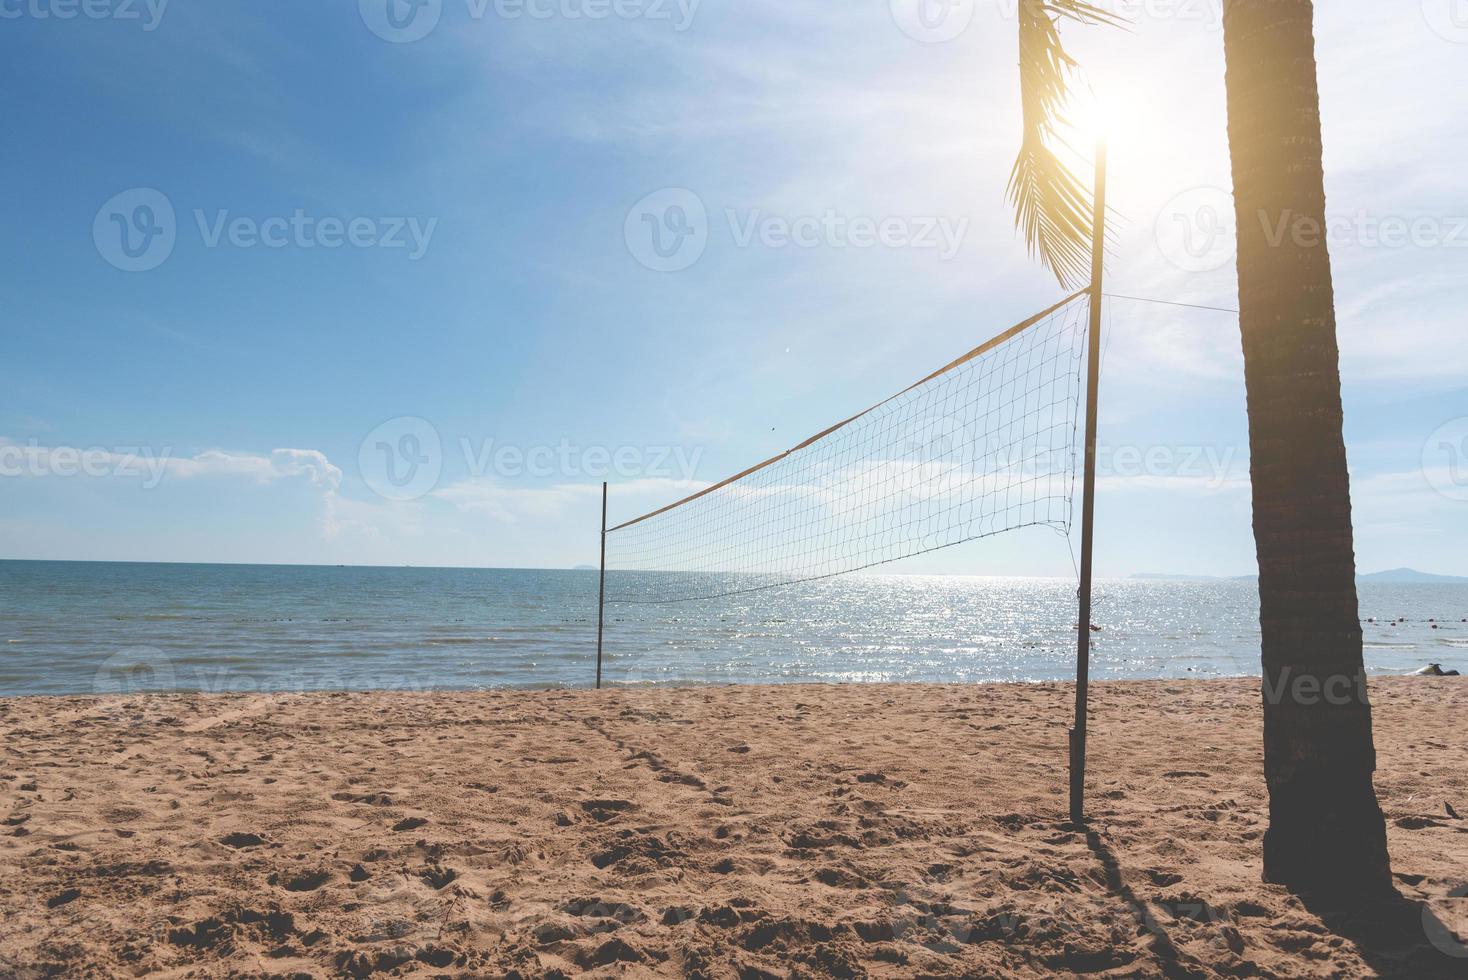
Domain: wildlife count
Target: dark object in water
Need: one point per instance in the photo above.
(1436, 670)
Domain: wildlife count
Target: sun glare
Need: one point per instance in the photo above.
(1091, 117)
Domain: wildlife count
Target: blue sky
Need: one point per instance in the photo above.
(432, 245)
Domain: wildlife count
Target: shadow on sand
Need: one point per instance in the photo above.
(1170, 960)
(1397, 938)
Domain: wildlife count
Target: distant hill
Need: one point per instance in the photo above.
(1396, 576)
(1410, 576)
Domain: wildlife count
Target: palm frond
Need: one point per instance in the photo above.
(1052, 206)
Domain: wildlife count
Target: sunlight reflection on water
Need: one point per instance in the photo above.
(85, 627)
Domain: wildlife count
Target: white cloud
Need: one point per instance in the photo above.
(279, 465)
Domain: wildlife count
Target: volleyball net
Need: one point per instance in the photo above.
(988, 443)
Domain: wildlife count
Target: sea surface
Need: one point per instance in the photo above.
(68, 628)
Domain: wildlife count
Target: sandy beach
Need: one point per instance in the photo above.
(722, 832)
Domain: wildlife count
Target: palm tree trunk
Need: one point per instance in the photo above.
(1326, 832)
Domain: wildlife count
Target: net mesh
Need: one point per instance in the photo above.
(987, 444)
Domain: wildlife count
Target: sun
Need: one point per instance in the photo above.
(1091, 118)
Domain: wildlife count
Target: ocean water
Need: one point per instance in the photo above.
(69, 628)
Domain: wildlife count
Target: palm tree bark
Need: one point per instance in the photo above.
(1326, 832)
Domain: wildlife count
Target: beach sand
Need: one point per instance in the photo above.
(719, 832)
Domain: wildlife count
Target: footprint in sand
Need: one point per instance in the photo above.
(437, 878)
(604, 810)
(308, 881)
(366, 799)
(241, 840)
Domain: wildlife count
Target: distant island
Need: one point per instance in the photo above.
(1395, 576)
(1410, 576)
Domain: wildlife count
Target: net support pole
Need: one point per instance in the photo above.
(1088, 499)
(601, 588)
